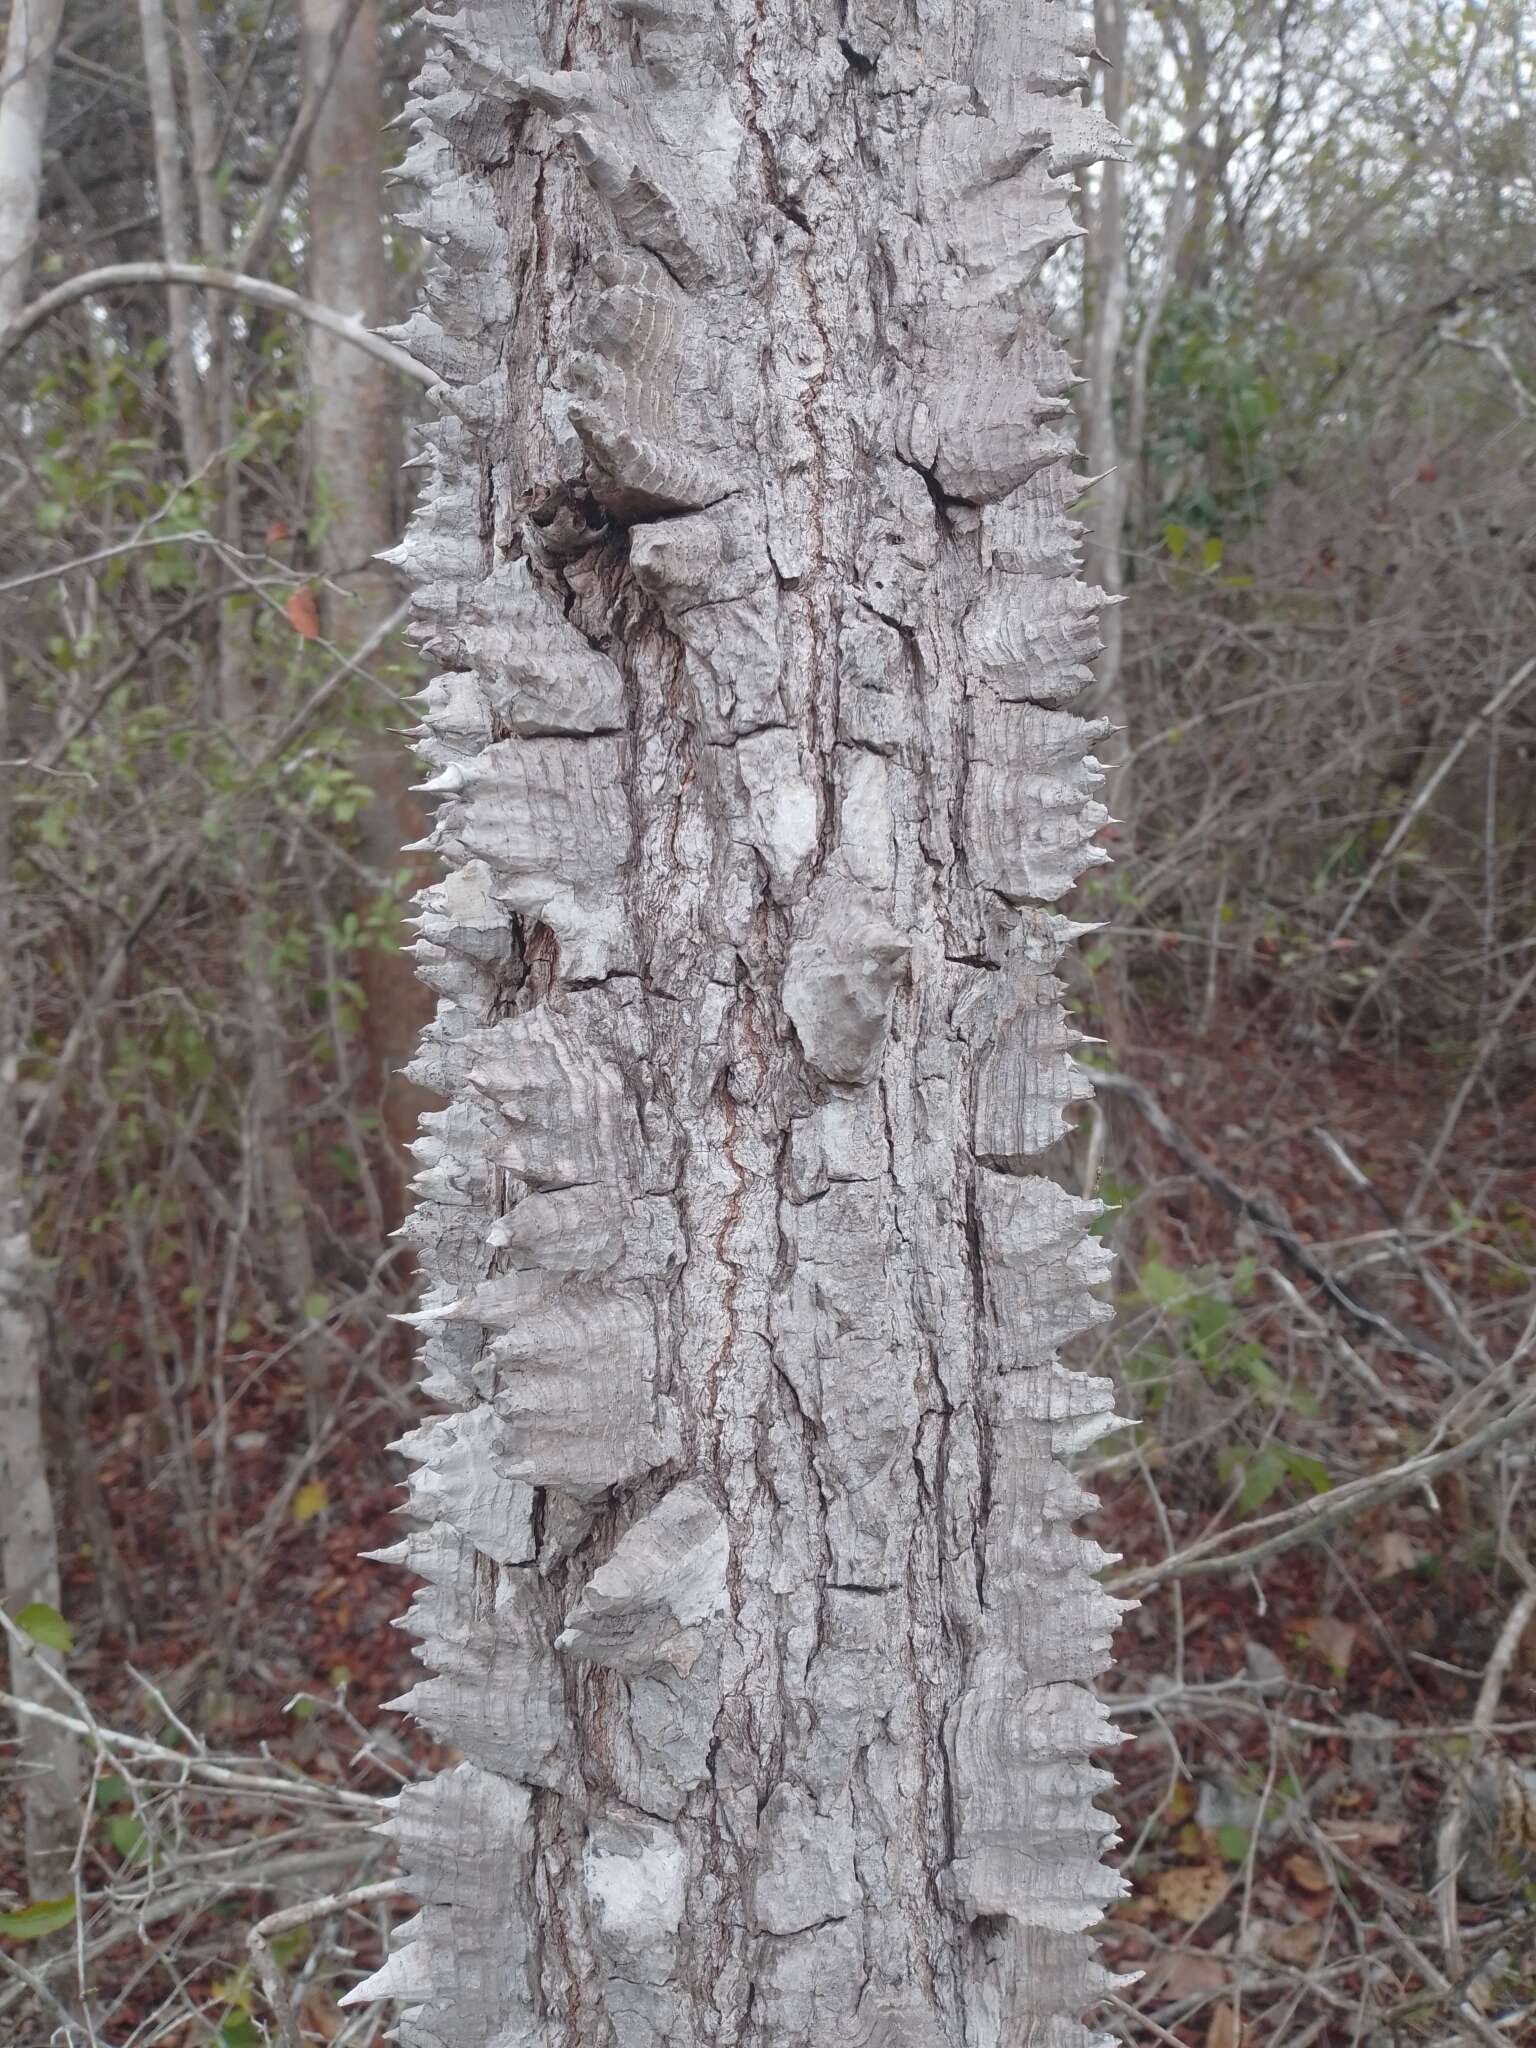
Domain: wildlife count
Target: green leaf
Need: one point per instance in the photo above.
(309, 1501)
(42, 1916)
(316, 1306)
(1233, 1841)
(45, 1625)
(239, 2030)
(1210, 554)
(1264, 1475)
(125, 1831)
(287, 1948)
(1306, 1471)
(1176, 540)
(1161, 1285)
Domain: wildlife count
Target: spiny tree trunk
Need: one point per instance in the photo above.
(355, 439)
(753, 1601)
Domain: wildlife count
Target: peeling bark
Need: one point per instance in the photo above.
(752, 1597)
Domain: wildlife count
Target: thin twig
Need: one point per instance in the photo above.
(207, 277)
(1431, 783)
(1453, 1813)
(259, 1942)
(1307, 1520)
(1269, 1222)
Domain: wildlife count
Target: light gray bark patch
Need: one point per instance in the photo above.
(659, 1595)
(646, 401)
(636, 1875)
(839, 982)
(664, 164)
(980, 426)
(803, 1871)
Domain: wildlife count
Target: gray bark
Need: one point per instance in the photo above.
(160, 83)
(31, 36)
(48, 1758)
(752, 1600)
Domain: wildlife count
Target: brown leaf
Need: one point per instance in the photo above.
(1334, 1641)
(1225, 2029)
(1394, 1552)
(1191, 1890)
(302, 614)
(1180, 1803)
(1299, 1946)
(1190, 1973)
(1306, 1871)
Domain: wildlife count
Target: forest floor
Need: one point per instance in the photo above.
(1291, 1728)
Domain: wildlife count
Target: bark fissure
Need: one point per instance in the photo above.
(744, 554)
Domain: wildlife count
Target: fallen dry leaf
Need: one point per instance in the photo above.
(302, 613)
(1306, 1871)
(1189, 1973)
(1191, 1890)
(1393, 1552)
(1299, 1945)
(1179, 1804)
(1225, 2030)
(1333, 1640)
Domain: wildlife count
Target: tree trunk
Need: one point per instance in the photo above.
(49, 1758)
(1105, 283)
(355, 439)
(753, 1601)
(29, 1546)
(31, 36)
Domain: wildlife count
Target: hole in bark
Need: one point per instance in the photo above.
(855, 59)
(541, 955)
(569, 520)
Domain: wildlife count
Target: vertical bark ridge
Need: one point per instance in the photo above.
(752, 1598)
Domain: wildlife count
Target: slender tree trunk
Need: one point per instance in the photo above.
(753, 1602)
(355, 441)
(31, 35)
(29, 1546)
(196, 443)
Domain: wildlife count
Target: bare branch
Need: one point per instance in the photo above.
(113, 276)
